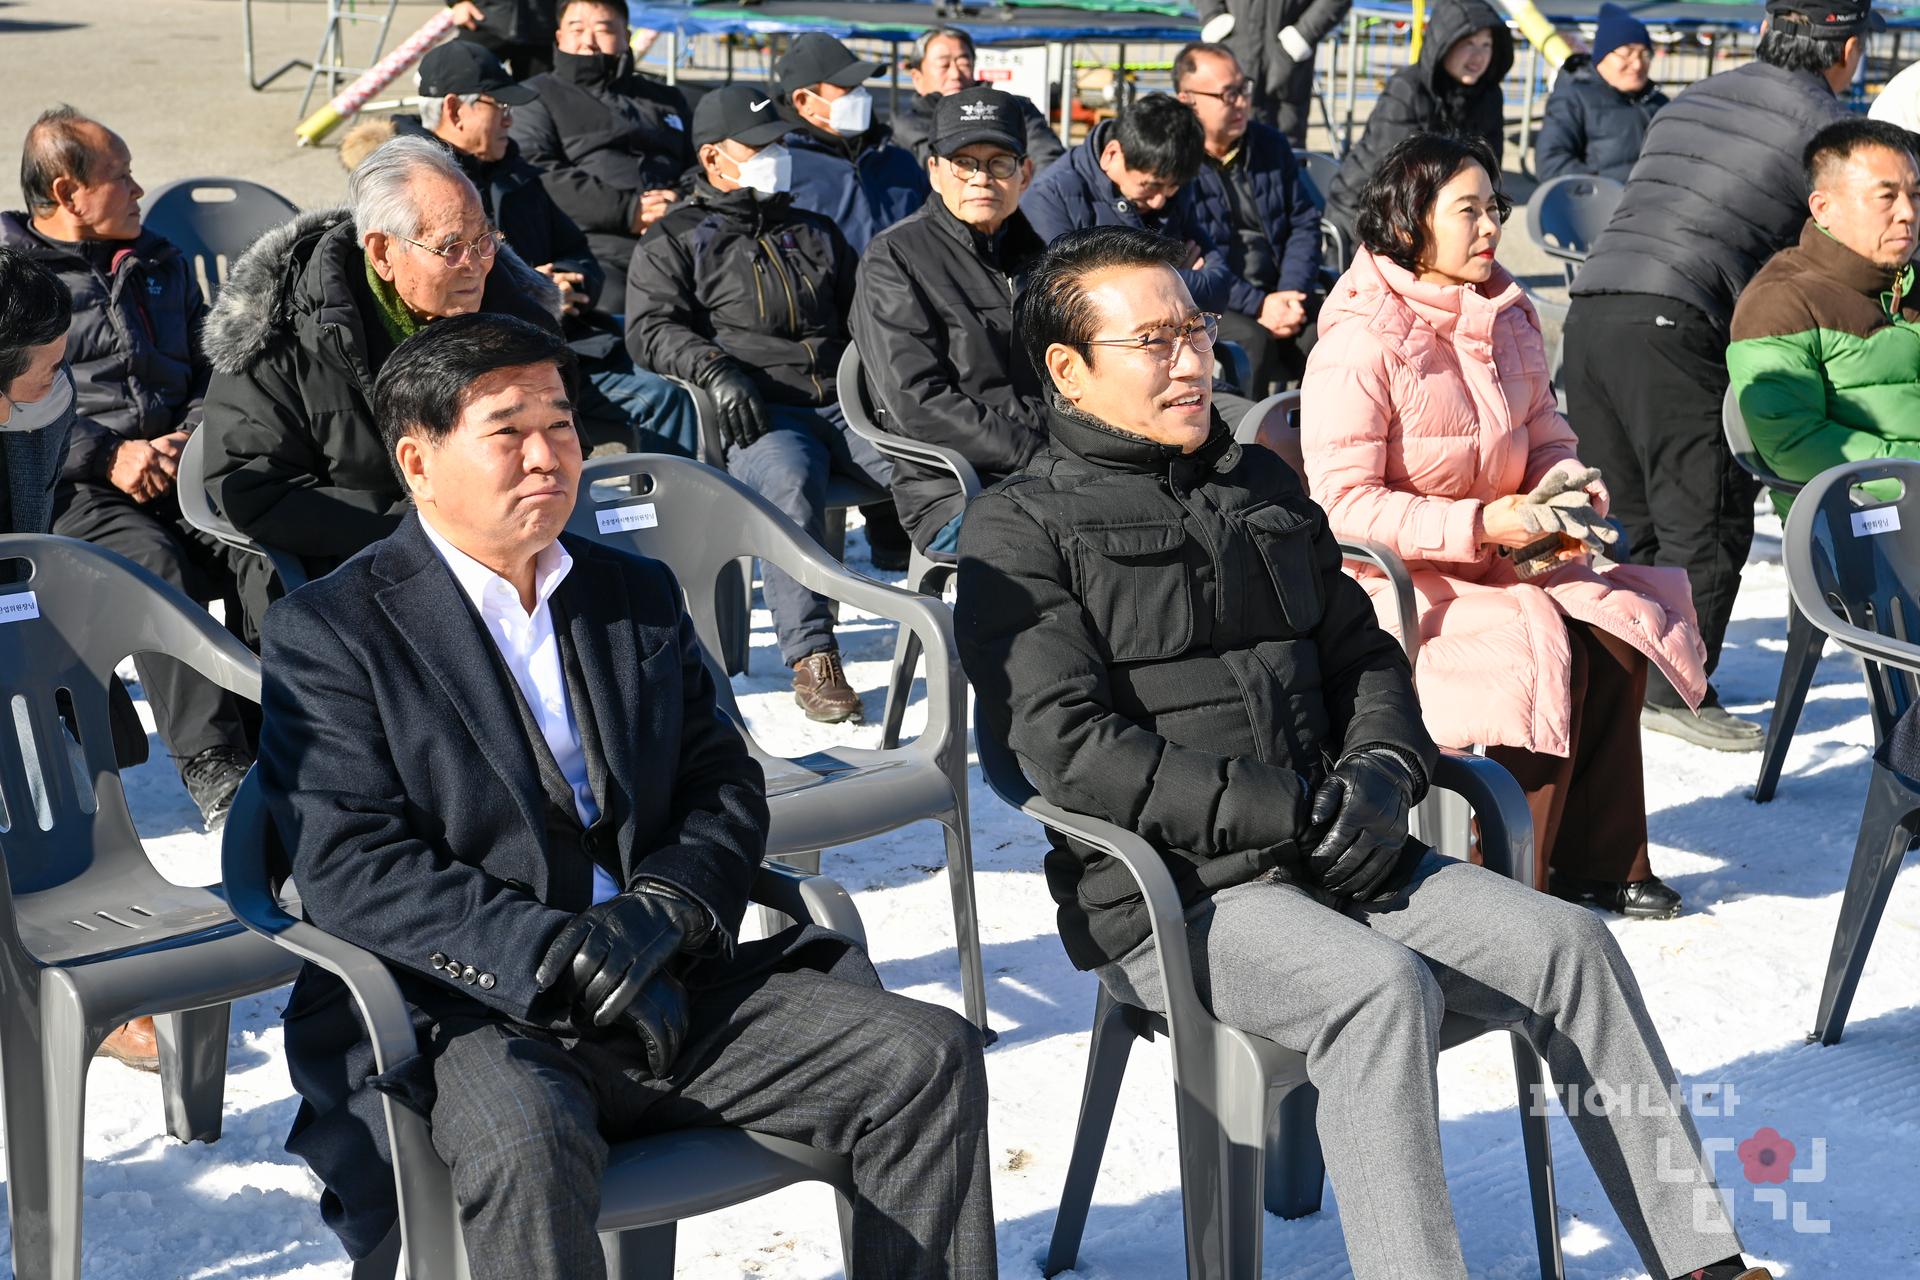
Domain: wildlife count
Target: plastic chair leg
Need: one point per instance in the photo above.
(773, 921)
(66, 1051)
(843, 1210)
(906, 660)
(966, 921)
(1804, 646)
(1234, 1214)
(646, 1254)
(733, 615)
(1538, 1145)
(1296, 1169)
(23, 1084)
(1106, 1067)
(1887, 829)
(384, 1262)
(193, 1070)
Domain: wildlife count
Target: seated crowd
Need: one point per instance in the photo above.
(400, 392)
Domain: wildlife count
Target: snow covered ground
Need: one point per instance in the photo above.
(1732, 984)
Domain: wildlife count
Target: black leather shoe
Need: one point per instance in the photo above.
(1648, 899)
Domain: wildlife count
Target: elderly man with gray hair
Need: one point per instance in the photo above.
(304, 323)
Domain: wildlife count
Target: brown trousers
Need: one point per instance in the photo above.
(1590, 806)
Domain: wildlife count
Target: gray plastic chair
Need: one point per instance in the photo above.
(91, 935)
(698, 521)
(1805, 644)
(1567, 214)
(735, 609)
(196, 507)
(1245, 1108)
(1861, 585)
(215, 220)
(927, 571)
(1320, 169)
(650, 1184)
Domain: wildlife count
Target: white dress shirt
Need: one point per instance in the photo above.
(526, 643)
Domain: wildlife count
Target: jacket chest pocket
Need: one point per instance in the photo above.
(1136, 584)
(1283, 543)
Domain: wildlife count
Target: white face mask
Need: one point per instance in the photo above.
(768, 170)
(850, 113)
(34, 415)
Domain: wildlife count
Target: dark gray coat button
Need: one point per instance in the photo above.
(468, 974)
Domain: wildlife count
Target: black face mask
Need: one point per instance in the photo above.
(589, 70)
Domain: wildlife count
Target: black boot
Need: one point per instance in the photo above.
(1648, 899)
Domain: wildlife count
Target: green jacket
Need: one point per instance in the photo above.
(1825, 359)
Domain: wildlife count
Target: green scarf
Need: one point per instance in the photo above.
(399, 322)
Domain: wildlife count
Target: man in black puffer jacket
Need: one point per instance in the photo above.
(139, 375)
(1718, 190)
(1155, 620)
(746, 296)
(515, 31)
(1453, 88)
(1601, 106)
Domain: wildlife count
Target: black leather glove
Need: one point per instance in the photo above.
(609, 953)
(743, 414)
(1363, 807)
(659, 1016)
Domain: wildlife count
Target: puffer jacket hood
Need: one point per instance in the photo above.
(1421, 404)
(1451, 20)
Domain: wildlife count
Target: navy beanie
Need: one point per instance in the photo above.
(1615, 28)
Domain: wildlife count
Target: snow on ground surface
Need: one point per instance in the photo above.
(1732, 984)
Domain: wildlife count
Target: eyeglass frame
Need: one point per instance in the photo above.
(1207, 321)
(966, 174)
(495, 235)
(1233, 95)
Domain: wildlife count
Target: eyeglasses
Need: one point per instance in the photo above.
(1001, 166)
(1163, 342)
(504, 108)
(1234, 95)
(455, 255)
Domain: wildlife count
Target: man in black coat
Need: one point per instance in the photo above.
(494, 756)
(140, 374)
(1156, 621)
(1718, 190)
(1275, 41)
(943, 64)
(304, 323)
(746, 295)
(515, 31)
(1250, 197)
(1598, 115)
(933, 314)
(610, 143)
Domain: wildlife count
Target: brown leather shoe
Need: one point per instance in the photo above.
(820, 687)
(133, 1044)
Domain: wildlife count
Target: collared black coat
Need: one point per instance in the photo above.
(933, 318)
(404, 789)
(1592, 127)
(1168, 642)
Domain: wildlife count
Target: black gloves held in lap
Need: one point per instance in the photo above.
(743, 414)
(1362, 810)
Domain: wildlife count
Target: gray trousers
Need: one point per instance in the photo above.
(897, 1085)
(1362, 992)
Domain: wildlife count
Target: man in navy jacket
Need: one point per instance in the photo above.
(494, 756)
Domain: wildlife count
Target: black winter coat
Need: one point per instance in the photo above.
(1076, 192)
(933, 318)
(1278, 81)
(913, 129)
(293, 456)
(1169, 643)
(514, 23)
(1260, 212)
(602, 134)
(729, 273)
(1424, 97)
(1592, 127)
(1719, 189)
(139, 371)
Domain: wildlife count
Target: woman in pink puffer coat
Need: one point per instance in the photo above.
(1427, 420)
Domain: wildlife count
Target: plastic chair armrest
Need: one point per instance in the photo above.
(1406, 604)
(815, 899)
(899, 446)
(1500, 807)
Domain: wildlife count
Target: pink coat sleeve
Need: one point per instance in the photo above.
(1348, 419)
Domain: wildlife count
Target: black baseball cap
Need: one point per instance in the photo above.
(978, 114)
(1831, 19)
(740, 112)
(817, 58)
(461, 66)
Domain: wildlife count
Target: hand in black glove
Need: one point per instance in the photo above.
(659, 1016)
(743, 414)
(611, 951)
(1363, 807)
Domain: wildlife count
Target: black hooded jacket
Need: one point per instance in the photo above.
(1424, 97)
(1167, 642)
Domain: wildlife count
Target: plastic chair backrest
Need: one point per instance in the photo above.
(196, 504)
(215, 220)
(1567, 214)
(1274, 424)
(78, 612)
(1733, 424)
(1320, 170)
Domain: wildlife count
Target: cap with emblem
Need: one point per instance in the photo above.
(817, 58)
(461, 66)
(975, 115)
(741, 112)
(1830, 19)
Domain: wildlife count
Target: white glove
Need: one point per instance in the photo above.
(1560, 504)
(1295, 44)
(1217, 28)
